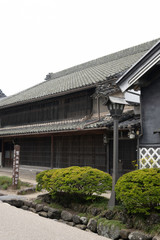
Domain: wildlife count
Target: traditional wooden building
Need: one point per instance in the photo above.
(144, 76)
(62, 121)
(2, 95)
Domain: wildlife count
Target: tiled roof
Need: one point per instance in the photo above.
(42, 128)
(130, 123)
(127, 120)
(2, 95)
(81, 76)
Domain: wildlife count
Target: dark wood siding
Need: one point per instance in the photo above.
(75, 150)
(8, 154)
(150, 105)
(127, 154)
(82, 150)
(71, 106)
(35, 151)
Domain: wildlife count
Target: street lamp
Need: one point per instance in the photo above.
(115, 106)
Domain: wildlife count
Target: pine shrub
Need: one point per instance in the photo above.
(84, 181)
(43, 178)
(139, 191)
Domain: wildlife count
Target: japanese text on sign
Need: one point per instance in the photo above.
(16, 165)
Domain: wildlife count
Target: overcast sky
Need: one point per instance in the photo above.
(42, 36)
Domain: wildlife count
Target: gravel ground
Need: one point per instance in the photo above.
(17, 224)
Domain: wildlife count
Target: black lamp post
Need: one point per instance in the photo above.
(115, 106)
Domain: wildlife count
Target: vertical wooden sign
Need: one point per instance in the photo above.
(16, 166)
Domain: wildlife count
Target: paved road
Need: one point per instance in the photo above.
(17, 224)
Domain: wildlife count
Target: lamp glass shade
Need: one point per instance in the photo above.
(115, 109)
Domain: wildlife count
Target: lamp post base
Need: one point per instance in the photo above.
(112, 200)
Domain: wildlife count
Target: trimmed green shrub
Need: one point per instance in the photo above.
(39, 179)
(139, 191)
(75, 180)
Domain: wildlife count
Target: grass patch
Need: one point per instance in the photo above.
(109, 223)
(140, 224)
(38, 201)
(52, 205)
(24, 184)
(88, 215)
(6, 182)
(4, 186)
(100, 203)
(155, 229)
(57, 206)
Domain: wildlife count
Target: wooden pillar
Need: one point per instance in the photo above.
(52, 151)
(107, 149)
(3, 152)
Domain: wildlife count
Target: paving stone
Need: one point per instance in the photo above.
(45, 208)
(81, 226)
(32, 210)
(72, 224)
(25, 207)
(39, 207)
(54, 213)
(138, 235)
(92, 225)
(43, 214)
(124, 233)
(76, 219)
(28, 203)
(84, 220)
(66, 216)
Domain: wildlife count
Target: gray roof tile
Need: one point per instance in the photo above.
(83, 75)
(42, 128)
(128, 120)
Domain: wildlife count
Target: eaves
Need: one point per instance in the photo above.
(48, 96)
(133, 74)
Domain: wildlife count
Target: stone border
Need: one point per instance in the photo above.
(110, 231)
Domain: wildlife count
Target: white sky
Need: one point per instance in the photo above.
(42, 36)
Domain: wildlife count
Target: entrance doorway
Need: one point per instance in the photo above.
(127, 154)
(8, 154)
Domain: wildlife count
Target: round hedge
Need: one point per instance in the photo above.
(75, 180)
(139, 191)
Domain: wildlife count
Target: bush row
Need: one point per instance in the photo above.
(138, 191)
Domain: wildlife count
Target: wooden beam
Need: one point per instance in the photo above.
(107, 156)
(52, 149)
(2, 152)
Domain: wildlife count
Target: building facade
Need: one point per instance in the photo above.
(62, 121)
